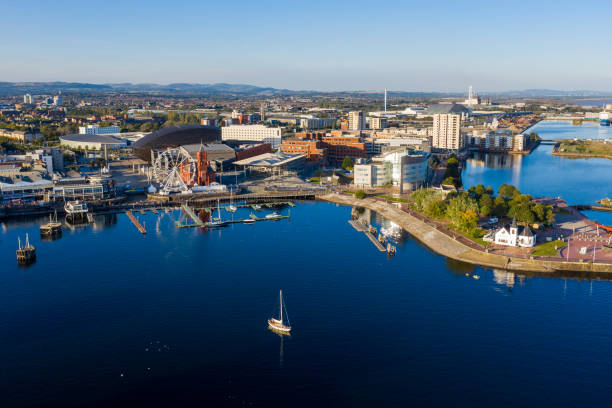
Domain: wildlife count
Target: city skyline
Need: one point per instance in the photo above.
(315, 46)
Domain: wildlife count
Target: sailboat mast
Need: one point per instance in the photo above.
(281, 306)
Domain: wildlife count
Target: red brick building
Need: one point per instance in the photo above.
(252, 151)
(320, 146)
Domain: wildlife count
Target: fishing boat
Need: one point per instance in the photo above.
(279, 325)
(26, 254)
(52, 228)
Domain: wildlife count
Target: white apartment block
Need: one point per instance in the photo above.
(356, 121)
(252, 133)
(99, 130)
(378, 123)
(447, 131)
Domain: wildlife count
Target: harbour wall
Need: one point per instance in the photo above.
(445, 245)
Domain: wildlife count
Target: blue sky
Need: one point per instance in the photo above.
(322, 45)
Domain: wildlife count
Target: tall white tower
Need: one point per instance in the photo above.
(385, 100)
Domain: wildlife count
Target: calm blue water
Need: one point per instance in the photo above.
(108, 317)
(578, 181)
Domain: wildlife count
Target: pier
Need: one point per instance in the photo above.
(376, 242)
(371, 232)
(136, 223)
(197, 222)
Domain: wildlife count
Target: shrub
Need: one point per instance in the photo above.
(360, 194)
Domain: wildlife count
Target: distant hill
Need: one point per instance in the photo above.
(224, 89)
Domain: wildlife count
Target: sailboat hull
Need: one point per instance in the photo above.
(278, 326)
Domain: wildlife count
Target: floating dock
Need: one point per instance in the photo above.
(376, 242)
(381, 243)
(136, 223)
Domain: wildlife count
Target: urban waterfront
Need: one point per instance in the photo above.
(179, 316)
(578, 181)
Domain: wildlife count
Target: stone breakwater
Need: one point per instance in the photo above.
(446, 245)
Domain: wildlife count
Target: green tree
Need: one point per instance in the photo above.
(550, 216)
(435, 208)
(347, 163)
(540, 212)
(508, 191)
(522, 212)
(360, 194)
(462, 211)
(500, 208)
(450, 181)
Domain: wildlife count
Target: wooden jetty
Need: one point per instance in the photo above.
(26, 254)
(376, 242)
(358, 225)
(380, 243)
(197, 222)
(270, 217)
(136, 223)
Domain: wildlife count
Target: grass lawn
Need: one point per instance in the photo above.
(548, 249)
(474, 235)
(399, 200)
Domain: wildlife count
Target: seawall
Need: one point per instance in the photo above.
(444, 245)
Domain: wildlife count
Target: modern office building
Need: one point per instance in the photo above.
(27, 98)
(447, 132)
(372, 174)
(252, 133)
(403, 168)
(356, 121)
(99, 130)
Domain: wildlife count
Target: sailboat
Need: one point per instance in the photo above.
(278, 324)
(216, 222)
(232, 207)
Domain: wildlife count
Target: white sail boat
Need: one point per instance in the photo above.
(279, 325)
(216, 222)
(232, 207)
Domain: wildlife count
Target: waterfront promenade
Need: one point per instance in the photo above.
(458, 247)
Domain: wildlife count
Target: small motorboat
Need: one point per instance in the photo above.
(273, 216)
(248, 221)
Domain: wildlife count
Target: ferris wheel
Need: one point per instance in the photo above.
(170, 168)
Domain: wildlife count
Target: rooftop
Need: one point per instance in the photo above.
(270, 160)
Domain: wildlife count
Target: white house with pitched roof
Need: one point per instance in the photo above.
(512, 235)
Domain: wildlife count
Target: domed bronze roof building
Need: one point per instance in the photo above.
(175, 136)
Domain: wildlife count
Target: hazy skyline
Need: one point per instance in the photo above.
(411, 46)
